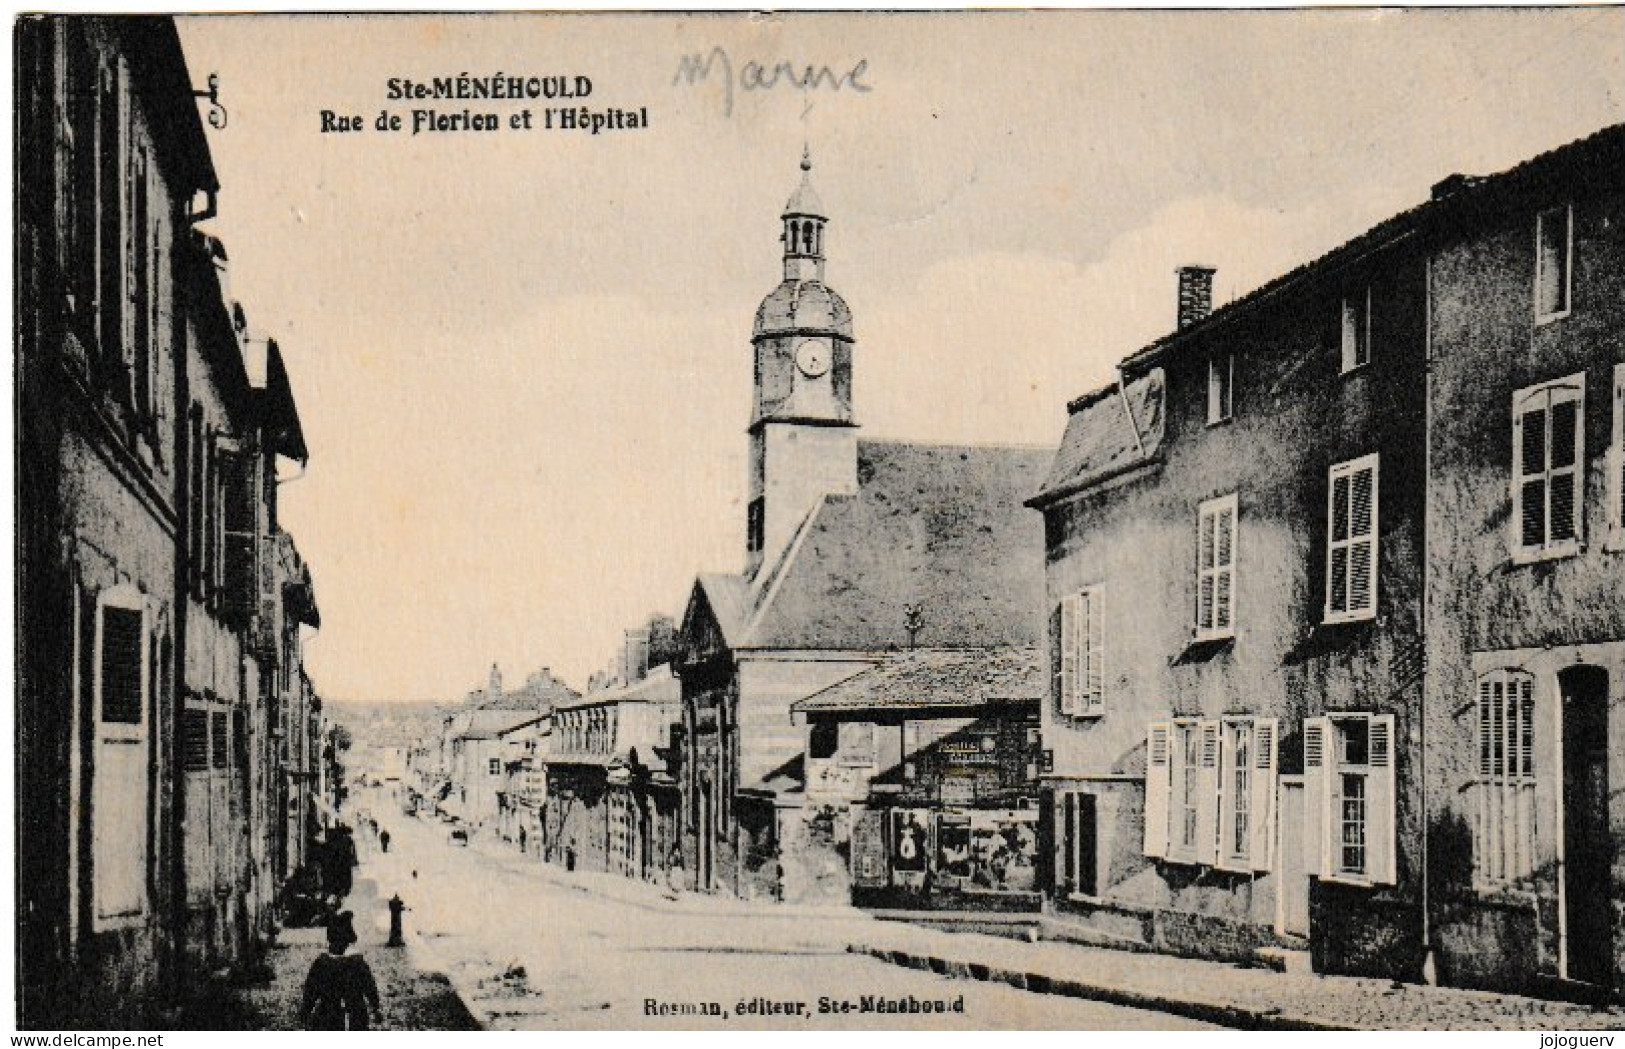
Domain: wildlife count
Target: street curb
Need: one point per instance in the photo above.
(425, 959)
(1225, 1014)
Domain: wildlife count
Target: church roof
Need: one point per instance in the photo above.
(940, 527)
(803, 306)
(1100, 439)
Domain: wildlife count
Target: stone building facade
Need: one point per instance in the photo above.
(1301, 740)
(146, 494)
(1525, 702)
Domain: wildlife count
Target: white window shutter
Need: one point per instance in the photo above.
(1317, 740)
(1265, 734)
(1380, 818)
(1158, 779)
(1056, 644)
(1096, 647)
(1070, 608)
(1207, 793)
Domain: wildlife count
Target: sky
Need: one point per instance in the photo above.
(522, 358)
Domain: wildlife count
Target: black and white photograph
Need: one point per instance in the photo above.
(903, 521)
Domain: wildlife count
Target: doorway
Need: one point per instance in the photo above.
(1292, 893)
(707, 832)
(1587, 844)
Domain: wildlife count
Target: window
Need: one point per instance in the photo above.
(1616, 470)
(1210, 791)
(494, 766)
(218, 739)
(1554, 256)
(823, 740)
(195, 739)
(1082, 689)
(139, 293)
(1190, 805)
(754, 526)
(1238, 828)
(123, 667)
(1349, 778)
(1548, 453)
(1216, 568)
(1504, 817)
(1356, 330)
(1351, 534)
(857, 743)
(1221, 374)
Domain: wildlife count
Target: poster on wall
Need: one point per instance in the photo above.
(869, 849)
(911, 847)
(953, 849)
(1004, 848)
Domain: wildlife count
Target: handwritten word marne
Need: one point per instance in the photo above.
(693, 69)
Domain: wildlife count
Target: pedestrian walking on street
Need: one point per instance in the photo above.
(338, 862)
(340, 992)
(383, 840)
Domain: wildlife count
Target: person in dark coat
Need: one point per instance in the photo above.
(383, 840)
(340, 992)
(338, 862)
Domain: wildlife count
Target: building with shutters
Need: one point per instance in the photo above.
(854, 549)
(147, 451)
(1315, 606)
(1228, 611)
(1525, 727)
(612, 797)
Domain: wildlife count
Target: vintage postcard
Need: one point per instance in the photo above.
(1103, 520)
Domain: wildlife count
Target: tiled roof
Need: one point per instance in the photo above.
(729, 598)
(489, 724)
(1100, 435)
(941, 527)
(919, 678)
(658, 687)
(803, 305)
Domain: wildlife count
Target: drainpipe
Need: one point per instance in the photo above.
(1430, 971)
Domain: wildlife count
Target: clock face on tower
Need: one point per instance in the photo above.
(812, 357)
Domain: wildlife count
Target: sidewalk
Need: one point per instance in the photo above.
(1215, 992)
(1249, 998)
(651, 894)
(413, 996)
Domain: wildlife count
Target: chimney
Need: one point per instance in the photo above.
(635, 659)
(1195, 294)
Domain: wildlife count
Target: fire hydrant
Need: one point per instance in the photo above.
(396, 907)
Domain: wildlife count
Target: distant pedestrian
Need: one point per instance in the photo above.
(383, 840)
(340, 992)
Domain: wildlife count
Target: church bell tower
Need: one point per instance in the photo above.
(803, 440)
